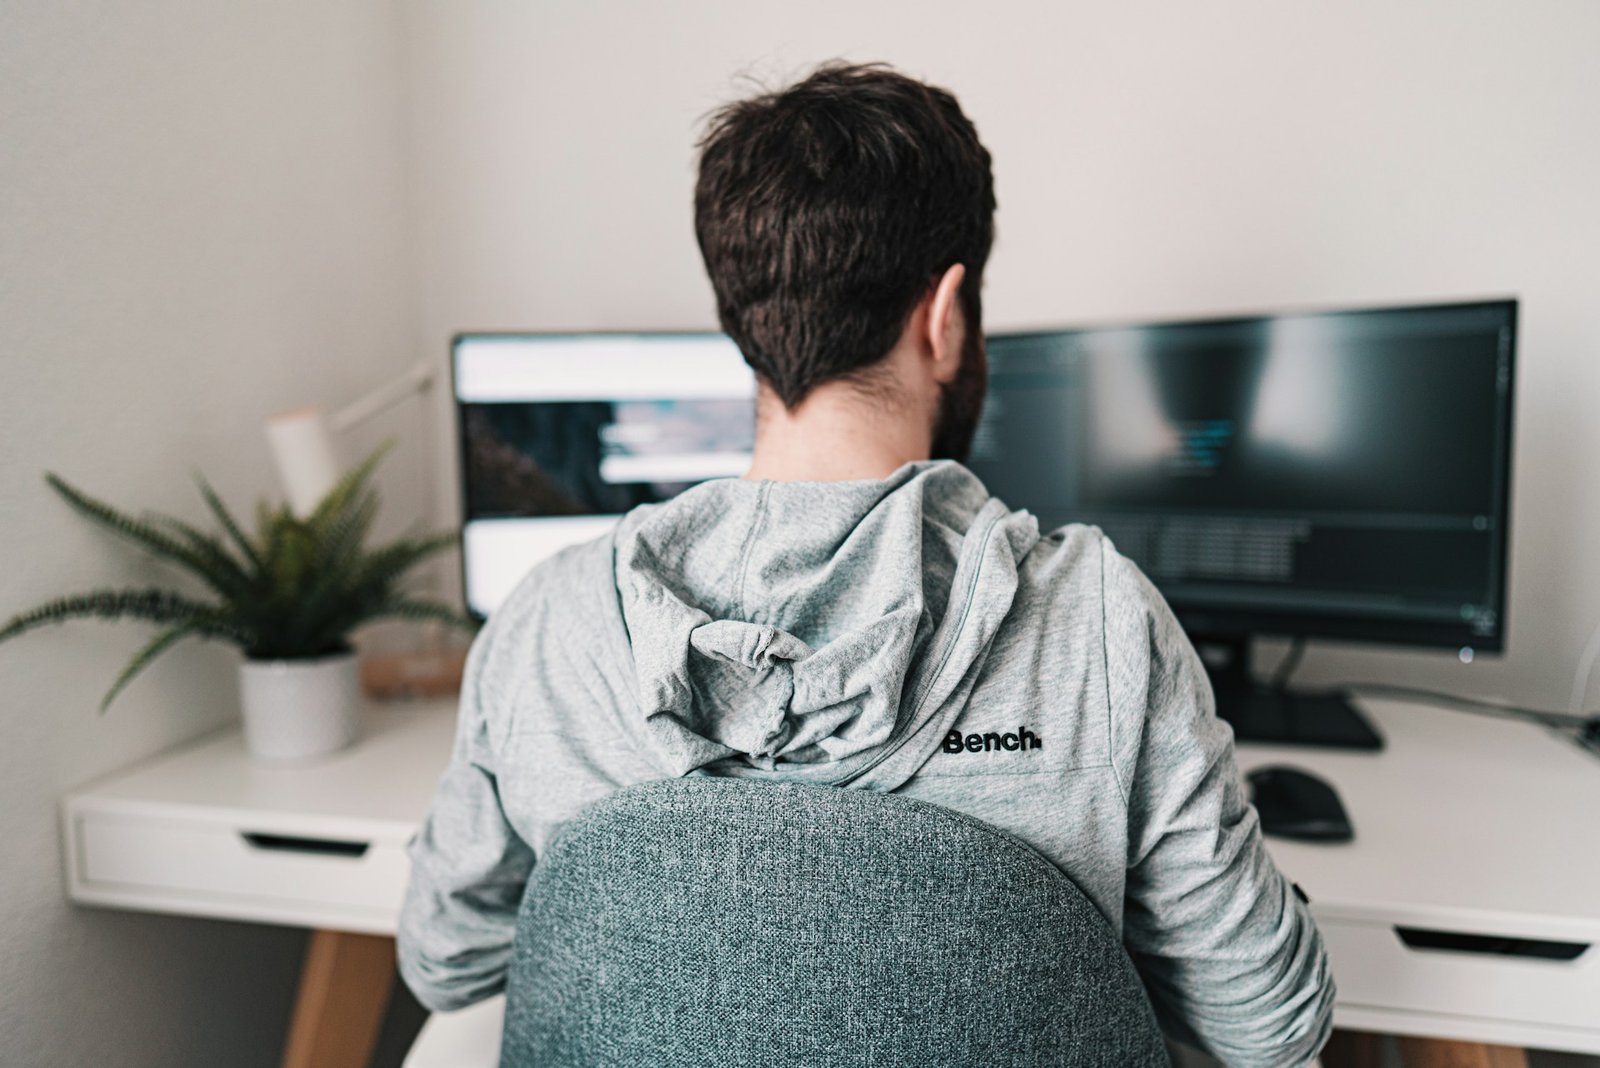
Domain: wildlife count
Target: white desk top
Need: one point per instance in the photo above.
(1464, 822)
(376, 790)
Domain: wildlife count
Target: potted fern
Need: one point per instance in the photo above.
(289, 596)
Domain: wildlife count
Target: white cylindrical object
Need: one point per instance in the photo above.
(297, 710)
(303, 449)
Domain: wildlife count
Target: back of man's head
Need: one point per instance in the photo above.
(826, 210)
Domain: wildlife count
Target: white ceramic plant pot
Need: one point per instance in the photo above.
(298, 710)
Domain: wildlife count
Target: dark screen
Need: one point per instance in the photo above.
(538, 458)
(1341, 473)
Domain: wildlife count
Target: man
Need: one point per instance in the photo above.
(858, 611)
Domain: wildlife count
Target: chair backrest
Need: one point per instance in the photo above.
(722, 922)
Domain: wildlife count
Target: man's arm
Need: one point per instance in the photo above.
(468, 866)
(1229, 952)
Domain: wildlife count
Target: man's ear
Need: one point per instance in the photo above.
(946, 324)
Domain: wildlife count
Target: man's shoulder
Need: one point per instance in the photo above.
(1067, 562)
(1071, 544)
(1075, 554)
(1075, 579)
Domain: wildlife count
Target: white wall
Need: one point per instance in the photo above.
(1151, 160)
(203, 221)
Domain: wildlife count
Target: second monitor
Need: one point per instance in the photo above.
(1338, 474)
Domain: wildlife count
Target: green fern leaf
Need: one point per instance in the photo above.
(225, 518)
(155, 605)
(337, 499)
(136, 530)
(223, 572)
(342, 543)
(383, 566)
(163, 641)
(298, 588)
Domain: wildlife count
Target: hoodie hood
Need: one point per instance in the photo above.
(825, 632)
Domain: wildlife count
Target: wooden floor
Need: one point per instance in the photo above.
(1359, 1049)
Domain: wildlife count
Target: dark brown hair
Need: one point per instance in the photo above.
(826, 210)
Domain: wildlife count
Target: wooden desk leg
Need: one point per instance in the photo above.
(344, 989)
(1439, 1053)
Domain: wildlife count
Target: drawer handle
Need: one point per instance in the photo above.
(290, 844)
(1492, 945)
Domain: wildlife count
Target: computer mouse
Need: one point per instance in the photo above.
(1294, 803)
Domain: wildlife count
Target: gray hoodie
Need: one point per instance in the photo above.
(911, 634)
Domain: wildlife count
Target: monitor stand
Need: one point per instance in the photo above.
(1288, 717)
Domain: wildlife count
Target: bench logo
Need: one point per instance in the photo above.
(956, 742)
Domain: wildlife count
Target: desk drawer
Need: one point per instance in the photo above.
(1375, 967)
(238, 863)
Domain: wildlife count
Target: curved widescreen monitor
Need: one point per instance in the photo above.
(1336, 474)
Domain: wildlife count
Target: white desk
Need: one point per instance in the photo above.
(1463, 824)
(184, 833)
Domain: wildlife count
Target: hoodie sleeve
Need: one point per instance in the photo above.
(469, 868)
(1227, 948)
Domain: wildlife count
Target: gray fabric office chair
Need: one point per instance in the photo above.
(726, 923)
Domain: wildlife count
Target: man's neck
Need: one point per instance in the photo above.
(836, 433)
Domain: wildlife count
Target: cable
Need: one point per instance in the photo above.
(1586, 725)
(1290, 661)
(1580, 682)
(1479, 706)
